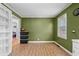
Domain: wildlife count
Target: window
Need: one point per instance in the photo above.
(62, 26)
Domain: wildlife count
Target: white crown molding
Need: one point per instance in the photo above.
(37, 16)
(64, 8)
(12, 9)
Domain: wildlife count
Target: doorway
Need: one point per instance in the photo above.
(15, 30)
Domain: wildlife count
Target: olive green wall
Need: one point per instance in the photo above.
(72, 24)
(38, 28)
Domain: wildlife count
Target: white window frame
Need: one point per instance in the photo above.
(62, 26)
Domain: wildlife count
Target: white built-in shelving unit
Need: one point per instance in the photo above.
(5, 31)
(75, 47)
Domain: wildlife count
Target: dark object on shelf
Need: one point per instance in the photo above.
(14, 34)
(23, 41)
(24, 33)
(24, 37)
(76, 12)
(22, 29)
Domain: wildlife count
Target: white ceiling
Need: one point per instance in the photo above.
(45, 10)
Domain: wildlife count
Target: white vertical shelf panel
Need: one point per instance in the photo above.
(75, 47)
(5, 31)
(16, 22)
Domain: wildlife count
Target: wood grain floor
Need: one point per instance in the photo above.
(38, 49)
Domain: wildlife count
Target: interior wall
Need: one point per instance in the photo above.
(40, 29)
(72, 24)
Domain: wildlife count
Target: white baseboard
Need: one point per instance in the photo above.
(51, 42)
(40, 41)
(63, 48)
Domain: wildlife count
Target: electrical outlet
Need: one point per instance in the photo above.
(38, 39)
(73, 31)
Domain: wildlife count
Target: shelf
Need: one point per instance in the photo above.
(1, 15)
(5, 30)
(5, 38)
(75, 46)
